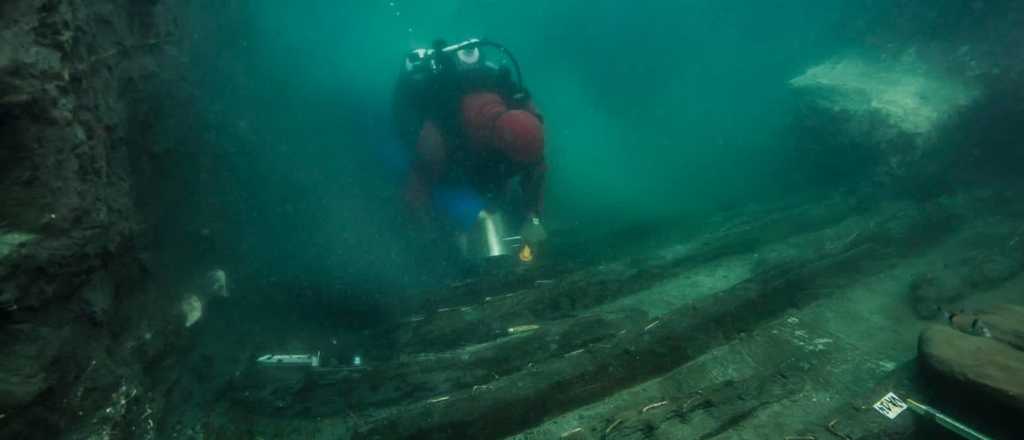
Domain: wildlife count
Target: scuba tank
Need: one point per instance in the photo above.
(490, 237)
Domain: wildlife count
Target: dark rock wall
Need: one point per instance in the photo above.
(77, 321)
(979, 40)
(970, 42)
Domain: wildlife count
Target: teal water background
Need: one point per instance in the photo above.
(657, 112)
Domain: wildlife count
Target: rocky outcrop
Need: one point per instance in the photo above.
(936, 291)
(989, 256)
(893, 112)
(908, 97)
(981, 353)
(914, 108)
(78, 322)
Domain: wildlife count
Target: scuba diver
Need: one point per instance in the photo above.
(478, 146)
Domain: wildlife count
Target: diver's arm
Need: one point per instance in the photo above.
(427, 169)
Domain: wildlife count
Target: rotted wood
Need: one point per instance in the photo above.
(560, 384)
(469, 346)
(550, 385)
(517, 300)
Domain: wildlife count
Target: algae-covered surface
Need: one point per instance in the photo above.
(9, 241)
(710, 219)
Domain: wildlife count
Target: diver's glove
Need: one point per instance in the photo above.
(533, 232)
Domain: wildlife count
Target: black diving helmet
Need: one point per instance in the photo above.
(443, 58)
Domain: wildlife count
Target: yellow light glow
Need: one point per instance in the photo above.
(526, 254)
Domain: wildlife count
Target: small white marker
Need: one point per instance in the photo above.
(571, 432)
(890, 406)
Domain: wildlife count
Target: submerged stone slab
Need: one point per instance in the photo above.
(888, 115)
(1004, 322)
(982, 365)
(908, 94)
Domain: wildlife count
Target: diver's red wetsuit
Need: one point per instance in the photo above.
(496, 145)
(470, 128)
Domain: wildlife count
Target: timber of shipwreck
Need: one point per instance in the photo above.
(467, 376)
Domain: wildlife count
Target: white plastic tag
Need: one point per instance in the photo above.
(890, 406)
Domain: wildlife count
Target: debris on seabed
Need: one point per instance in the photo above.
(573, 353)
(651, 325)
(653, 406)
(522, 328)
(571, 432)
(832, 428)
(617, 422)
(494, 298)
(686, 405)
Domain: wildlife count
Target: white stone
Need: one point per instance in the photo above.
(193, 309)
(217, 283)
(907, 93)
